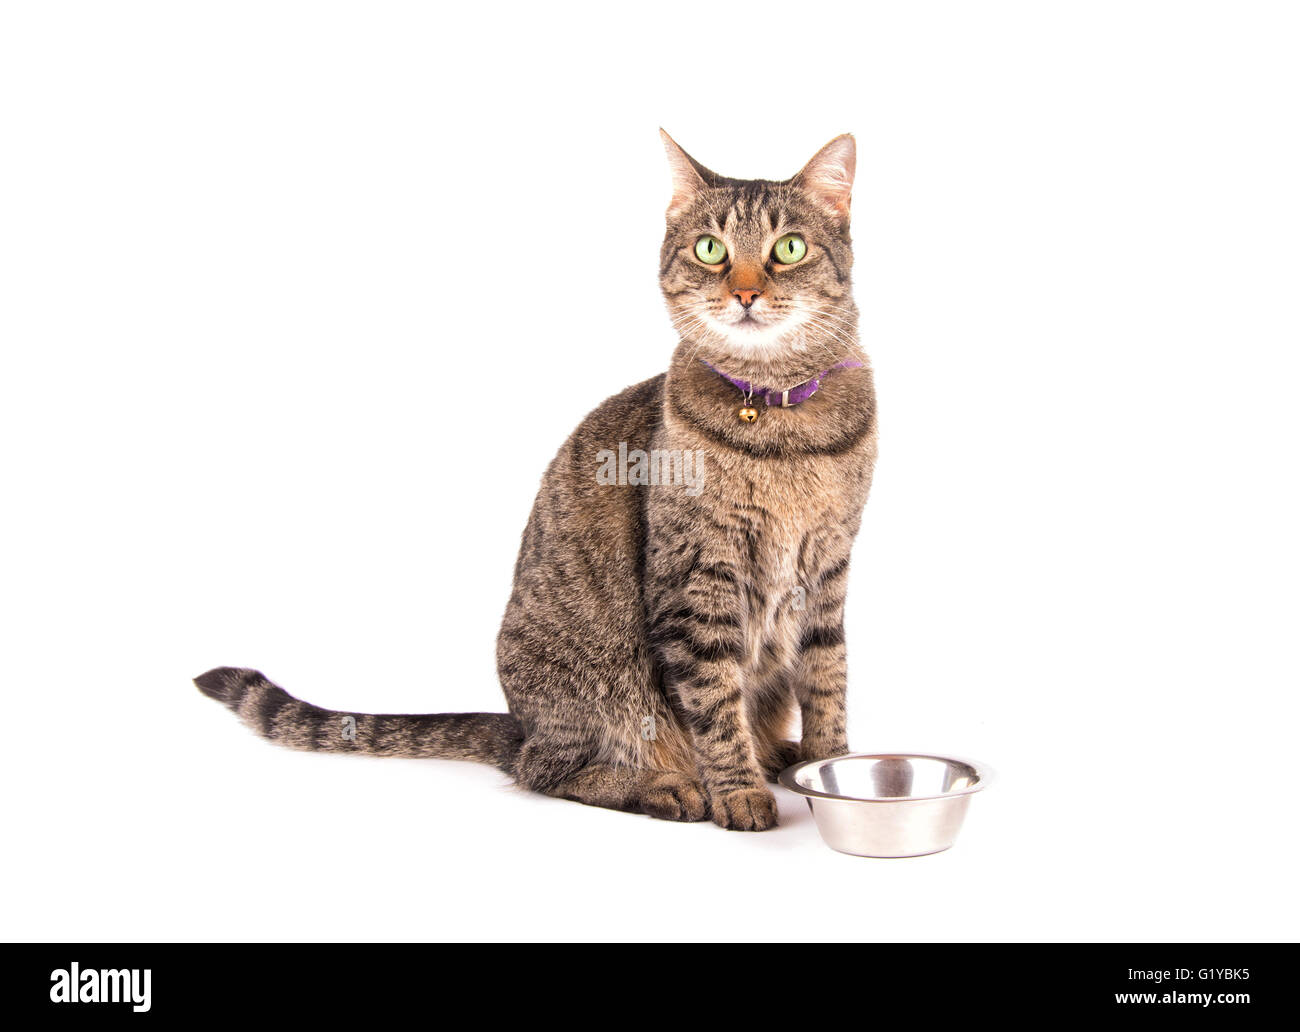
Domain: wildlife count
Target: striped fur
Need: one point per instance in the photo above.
(276, 715)
(658, 644)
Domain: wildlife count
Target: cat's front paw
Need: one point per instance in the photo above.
(746, 809)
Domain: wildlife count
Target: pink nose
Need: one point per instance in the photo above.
(747, 296)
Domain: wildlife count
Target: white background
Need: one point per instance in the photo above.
(299, 300)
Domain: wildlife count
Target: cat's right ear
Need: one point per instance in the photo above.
(829, 176)
(689, 176)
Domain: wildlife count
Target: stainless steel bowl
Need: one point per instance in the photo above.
(887, 804)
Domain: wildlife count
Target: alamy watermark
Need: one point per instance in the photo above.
(116, 985)
(659, 467)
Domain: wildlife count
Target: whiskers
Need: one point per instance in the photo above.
(693, 326)
(833, 327)
(799, 331)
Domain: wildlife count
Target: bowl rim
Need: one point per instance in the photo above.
(984, 774)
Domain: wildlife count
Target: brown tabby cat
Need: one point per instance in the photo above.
(680, 587)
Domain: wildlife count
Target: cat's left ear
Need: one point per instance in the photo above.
(689, 176)
(829, 176)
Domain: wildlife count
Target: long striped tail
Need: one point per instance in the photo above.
(276, 715)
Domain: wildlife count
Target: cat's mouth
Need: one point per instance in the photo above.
(759, 337)
(749, 320)
(754, 330)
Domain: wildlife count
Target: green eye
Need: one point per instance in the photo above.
(789, 249)
(710, 250)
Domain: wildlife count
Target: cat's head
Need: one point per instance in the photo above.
(756, 272)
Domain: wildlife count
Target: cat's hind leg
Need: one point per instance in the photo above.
(668, 795)
(771, 710)
(779, 755)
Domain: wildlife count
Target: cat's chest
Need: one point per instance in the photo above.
(780, 502)
(782, 523)
(776, 513)
(779, 522)
(785, 520)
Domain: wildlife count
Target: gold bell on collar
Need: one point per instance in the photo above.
(748, 414)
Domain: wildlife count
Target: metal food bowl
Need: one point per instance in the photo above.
(887, 804)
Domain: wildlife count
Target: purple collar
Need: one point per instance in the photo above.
(784, 398)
